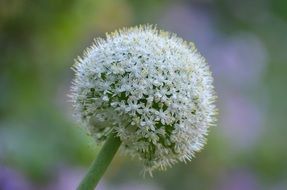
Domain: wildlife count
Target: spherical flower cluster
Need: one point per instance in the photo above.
(150, 88)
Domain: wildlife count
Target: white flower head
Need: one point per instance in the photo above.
(149, 87)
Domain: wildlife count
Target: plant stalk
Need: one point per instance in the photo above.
(100, 164)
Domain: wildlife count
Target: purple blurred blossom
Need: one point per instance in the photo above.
(240, 60)
(239, 180)
(11, 179)
(193, 24)
(66, 178)
(243, 121)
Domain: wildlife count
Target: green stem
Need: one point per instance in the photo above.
(100, 164)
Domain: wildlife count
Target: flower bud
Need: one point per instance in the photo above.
(149, 87)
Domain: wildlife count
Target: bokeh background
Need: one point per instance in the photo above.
(245, 43)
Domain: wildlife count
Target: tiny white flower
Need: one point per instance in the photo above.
(152, 88)
(105, 98)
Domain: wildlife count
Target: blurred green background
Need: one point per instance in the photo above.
(245, 43)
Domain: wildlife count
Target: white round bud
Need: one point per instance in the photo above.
(149, 87)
